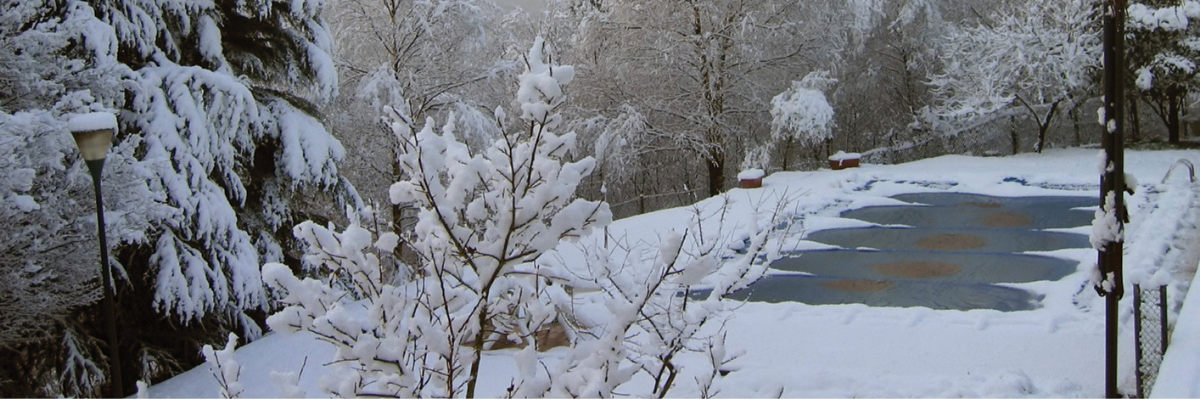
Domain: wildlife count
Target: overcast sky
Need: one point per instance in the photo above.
(528, 5)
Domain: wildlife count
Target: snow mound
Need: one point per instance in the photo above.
(843, 156)
(92, 122)
(751, 174)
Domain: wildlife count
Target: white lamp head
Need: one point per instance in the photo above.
(93, 134)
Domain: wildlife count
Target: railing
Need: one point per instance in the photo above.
(1191, 170)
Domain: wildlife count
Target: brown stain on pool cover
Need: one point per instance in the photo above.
(950, 241)
(1007, 220)
(917, 269)
(856, 285)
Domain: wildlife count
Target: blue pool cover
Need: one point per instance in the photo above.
(928, 265)
(890, 293)
(952, 253)
(972, 210)
(950, 239)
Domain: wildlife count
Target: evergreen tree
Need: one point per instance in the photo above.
(217, 104)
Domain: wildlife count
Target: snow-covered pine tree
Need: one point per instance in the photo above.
(49, 274)
(217, 103)
(211, 101)
(224, 100)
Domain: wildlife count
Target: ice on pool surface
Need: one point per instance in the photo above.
(887, 293)
(929, 266)
(979, 211)
(950, 239)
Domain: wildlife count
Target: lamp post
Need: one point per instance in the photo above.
(93, 135)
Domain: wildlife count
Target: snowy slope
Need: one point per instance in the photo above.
(798, 350)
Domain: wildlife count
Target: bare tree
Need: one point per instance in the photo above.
(1030, 61)
(426, 58)
(703, 72)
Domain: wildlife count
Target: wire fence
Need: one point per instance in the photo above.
(1150, 327)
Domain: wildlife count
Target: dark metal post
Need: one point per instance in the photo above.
(107, 307)
(1162, 314)
(1113, 180)
(1137, 340)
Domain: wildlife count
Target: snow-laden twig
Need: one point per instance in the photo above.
(225, 368)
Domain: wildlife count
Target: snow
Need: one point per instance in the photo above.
(751, 174)
(1141, 16)
(1171, 212)
(1145, 78)
(1179, 373)
(1105, 227)
(209, 41)
(843, 156)
(540, 86)
(92, 122)
(1039, 53)
(802, 112)
(842, 351)
(223, 365)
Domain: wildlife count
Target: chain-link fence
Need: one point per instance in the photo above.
(1150, 327)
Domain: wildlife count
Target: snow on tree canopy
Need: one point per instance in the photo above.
(803, 112)
(1032, 59)
(482, 218)
(1174, 18)
(92, 122)
(216, 104)
(540, 87)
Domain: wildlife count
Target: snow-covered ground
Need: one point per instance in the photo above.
(1179, 377)
(799, 350)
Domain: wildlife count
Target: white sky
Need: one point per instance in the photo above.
(528, 5)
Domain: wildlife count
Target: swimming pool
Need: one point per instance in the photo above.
(945, 251)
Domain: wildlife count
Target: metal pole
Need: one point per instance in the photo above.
(107, 307)
(1113, 180)
(1137, 340)
(1162, 315)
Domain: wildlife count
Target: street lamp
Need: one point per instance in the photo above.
(93, 135)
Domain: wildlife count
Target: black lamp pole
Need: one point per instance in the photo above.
(94, 144)
(1113, 181)
(108, 307)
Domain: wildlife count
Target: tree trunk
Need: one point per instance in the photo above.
(1074, 119)
(716, 171)
(787, 152)
(1041, 142)
(1135, 133)
(1184, 126)
(1044, 126)
(398, 219)
(1016, 140)
(1173, 100)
